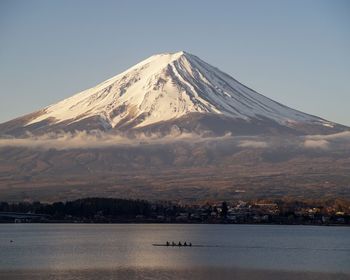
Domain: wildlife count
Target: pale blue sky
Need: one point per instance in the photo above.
(296, 52)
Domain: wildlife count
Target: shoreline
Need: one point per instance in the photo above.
(114, 210)
(170, 223)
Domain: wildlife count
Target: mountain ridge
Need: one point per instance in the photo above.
(171, 88)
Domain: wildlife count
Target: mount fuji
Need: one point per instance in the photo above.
(172, 127)
(165, 91)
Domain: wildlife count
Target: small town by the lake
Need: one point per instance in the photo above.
(109, 210)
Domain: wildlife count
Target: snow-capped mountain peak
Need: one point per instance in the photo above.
(167, 87)
(153, 87)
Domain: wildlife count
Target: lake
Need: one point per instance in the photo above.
(125, 251)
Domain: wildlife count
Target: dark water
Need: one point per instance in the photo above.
(75, 251)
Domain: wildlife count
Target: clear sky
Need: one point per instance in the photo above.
(295, 52)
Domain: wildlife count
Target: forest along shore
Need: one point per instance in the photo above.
(111, 210)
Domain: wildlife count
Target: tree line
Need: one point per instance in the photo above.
(82, 208)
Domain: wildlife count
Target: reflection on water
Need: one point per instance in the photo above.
(158, 273)
(73, 251)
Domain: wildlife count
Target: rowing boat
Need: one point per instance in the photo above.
(177, 245)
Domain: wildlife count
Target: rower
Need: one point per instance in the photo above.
(167, 243)
(185, 244)
(173, 243)
(179, 244)
(190, 244)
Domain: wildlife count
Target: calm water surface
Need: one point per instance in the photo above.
(76, 251)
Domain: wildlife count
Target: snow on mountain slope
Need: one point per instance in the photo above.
(166, 87)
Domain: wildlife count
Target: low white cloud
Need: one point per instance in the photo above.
(345, 135)
(253, 144)
(316, 144)
(98, 139)
(341, 139)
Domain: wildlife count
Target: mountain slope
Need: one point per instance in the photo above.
(218, 170)
(167, 93)
(169, 89)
